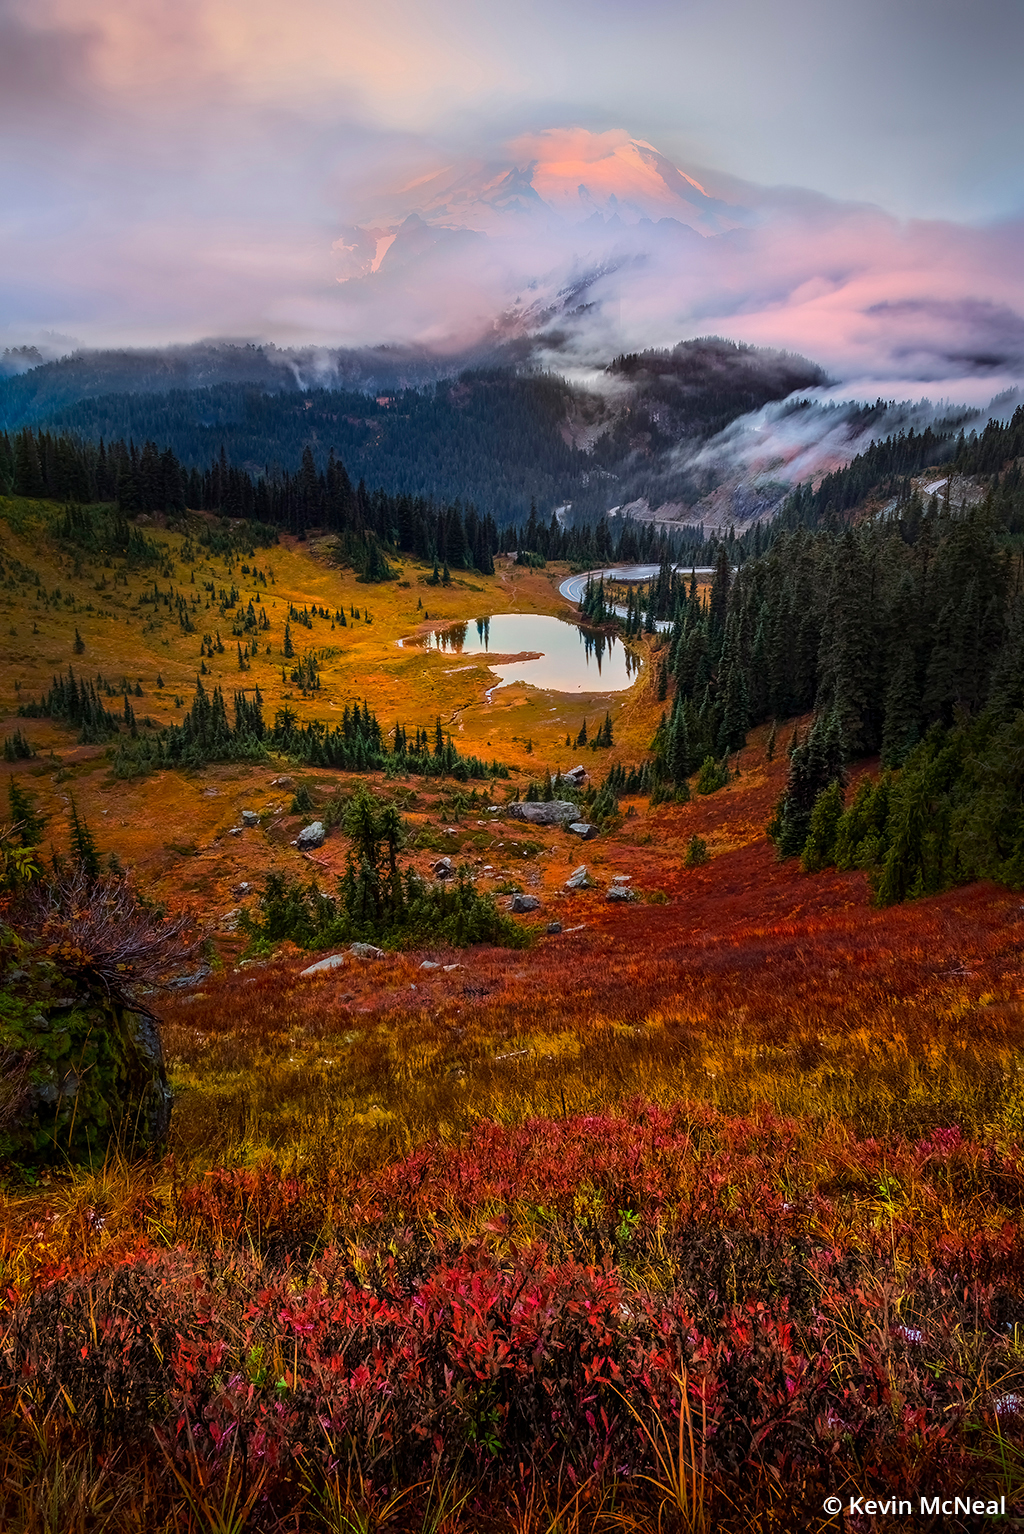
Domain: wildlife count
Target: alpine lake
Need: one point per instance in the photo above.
(541, 651)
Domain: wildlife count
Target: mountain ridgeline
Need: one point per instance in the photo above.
(503, 438)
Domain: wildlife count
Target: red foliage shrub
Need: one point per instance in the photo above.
(669, 1245)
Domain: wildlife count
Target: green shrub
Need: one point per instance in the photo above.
(696, 852)
(302, 801)
(819, 848)
(712, 776)
(377, 900)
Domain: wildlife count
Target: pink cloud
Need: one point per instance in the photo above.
(569, 233)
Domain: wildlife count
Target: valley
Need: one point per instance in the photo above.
(129, 636)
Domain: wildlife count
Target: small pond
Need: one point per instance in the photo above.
(546, 652)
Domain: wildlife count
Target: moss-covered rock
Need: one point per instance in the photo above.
(80, 1067)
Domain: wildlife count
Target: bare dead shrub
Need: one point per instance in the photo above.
(104, 932)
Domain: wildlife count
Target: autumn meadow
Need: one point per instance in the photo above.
(689, 1215)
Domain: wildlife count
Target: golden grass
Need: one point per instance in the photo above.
(172, 827)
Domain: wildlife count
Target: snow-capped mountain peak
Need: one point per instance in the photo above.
(552, 182)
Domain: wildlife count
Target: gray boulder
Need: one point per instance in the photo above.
(584, 831)
(250, 818)
(554, 927)
(430, 964)
(312, 835)
(366, 951)
(522, 903)
(621, 892)
(333, 961)
(444, 869)
(577, 776)
(182, 982)
(554, 813)
(579, 879)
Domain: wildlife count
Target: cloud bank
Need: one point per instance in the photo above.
(339, 174)
(599, 243)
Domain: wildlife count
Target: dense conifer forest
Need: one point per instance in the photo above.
(497, 437)
(494, 439)
(905, 637)
(63, 467)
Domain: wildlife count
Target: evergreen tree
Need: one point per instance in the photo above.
(901, 731)
(813, 765)
(719, 605)
(83, 845)
(28, 824)
(677, 749)
(819, 848)
(848, 661)
(732, 734)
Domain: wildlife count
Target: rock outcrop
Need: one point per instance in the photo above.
(366, 951)
(323, 966)
(81, 1068)
(551, 812)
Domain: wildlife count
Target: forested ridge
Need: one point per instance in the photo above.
(500, 438)
(885, 469)
(497, 437)
(905, 638)
(494, 439)
(369, 524)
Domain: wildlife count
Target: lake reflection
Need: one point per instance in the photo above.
(564, 657)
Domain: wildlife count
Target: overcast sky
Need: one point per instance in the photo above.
(176, 168)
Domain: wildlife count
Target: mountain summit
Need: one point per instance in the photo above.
(562, 184)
